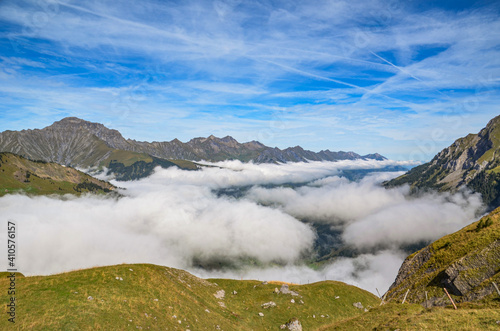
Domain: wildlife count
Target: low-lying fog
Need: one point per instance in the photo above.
(179, 219)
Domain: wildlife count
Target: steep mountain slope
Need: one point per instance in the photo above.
(466, 262)
(76, 142)
(18, 174)
(153, 297)
(472, 161)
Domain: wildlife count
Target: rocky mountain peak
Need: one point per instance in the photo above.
(472, 161)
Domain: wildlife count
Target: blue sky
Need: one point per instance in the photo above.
(402, 78)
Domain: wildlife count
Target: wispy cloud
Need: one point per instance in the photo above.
(398, 66)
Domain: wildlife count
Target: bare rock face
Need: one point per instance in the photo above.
(411, 265)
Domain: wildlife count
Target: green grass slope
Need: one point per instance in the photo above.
(415, 317)
(18, 174)
(466, 262)
(128, 165)
(143, 296)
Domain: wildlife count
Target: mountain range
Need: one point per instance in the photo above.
(75, 142)
(466, 263)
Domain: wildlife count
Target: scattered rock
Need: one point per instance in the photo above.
(292, 301)
(118, 278)
(358, 305)
(285, 290)
(234, 292)
(366, 310)
(323, 316)
(90, 298)
(261, 315)
(222, 304)
(293, 325)
(155, 299)
(220, 294)
(269, 304)
(208, 311)
(264, 283)
(175, 316)
(130, 269)
(75, 292)
(276, 290)
(179, 321)
(337, 297)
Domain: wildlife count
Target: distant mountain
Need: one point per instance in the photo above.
(18, 174)
(472, 161)
(76, 142)
(466, 262)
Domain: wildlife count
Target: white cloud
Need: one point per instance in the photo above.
(171, 227)
(425, 218)
(371, 272)
(175, 218)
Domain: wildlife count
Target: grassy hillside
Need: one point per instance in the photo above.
(153, 297)
(18, 174)
(465, 262)
(415, 317)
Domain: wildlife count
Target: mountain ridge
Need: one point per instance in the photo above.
(472, 162)
(73, 141)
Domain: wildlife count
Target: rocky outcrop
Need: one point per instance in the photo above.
(469, 272)
(292, 325)
(411, 265)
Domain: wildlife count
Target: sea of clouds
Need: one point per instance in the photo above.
(175, 217)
